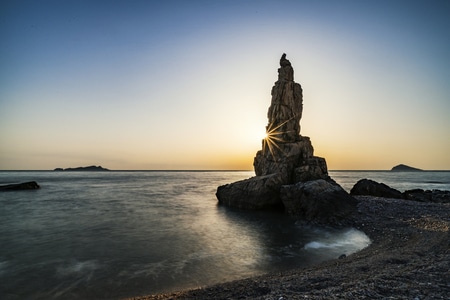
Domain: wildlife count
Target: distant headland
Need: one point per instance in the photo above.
(405, 168)
(90, 168)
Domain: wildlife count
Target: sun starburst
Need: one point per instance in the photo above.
(274, 137)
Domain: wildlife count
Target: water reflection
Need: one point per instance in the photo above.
(119, 234)
(272, 241)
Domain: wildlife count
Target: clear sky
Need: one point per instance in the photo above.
(186, 84)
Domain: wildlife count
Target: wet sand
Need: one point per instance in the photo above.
(409, 258)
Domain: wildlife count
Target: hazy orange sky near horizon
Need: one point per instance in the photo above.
(185, 85)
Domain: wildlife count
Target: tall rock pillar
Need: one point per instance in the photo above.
(284, 150)
(288, 175)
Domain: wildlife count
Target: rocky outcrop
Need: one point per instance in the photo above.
(90, 168)
(286, 161)
(404, 168)
(256, 193)
(31, 185)
(373, 188)
(317, 200)
(367, 187)
(436, 196)
(284, 150)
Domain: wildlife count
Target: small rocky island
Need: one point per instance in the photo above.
(288, 175)
(89, 168)
(405, 168)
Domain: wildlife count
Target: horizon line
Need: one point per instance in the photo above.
(213, 170)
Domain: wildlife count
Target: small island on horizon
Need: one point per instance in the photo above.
(89, 168)
(405, 168)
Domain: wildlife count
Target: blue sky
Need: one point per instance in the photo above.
(186, 84)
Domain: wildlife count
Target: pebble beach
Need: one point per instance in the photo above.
(409, 258)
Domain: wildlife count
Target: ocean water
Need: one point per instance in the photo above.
(402, 181)
(109, 235)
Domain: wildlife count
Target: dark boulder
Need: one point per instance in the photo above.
(256, 193)
(31, 185)
(420, 195)
(372, 188)
(317, 200)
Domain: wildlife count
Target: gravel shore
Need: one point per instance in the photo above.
(409, 258)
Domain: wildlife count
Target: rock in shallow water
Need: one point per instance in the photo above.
(31, 185)
(317, 200)
(287, 172)
(256, 193)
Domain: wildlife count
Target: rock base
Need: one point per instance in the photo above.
(256, 193)
(318, 200)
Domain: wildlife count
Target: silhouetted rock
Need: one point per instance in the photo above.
(372, 188)
(436, 196)
(287, 158)
(404, 168)
(367, 187)
(314, 168)
(256, 193)
(31, 185)
(90, 168)
(284, 150)
(317, 200)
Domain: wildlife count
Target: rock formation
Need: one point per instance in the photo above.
(405, 168)
(284, 150)
(367, 187)
(373, 188)
(89, 168)
(286, 158)
(31, 185)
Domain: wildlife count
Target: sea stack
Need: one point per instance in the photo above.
(288, 175)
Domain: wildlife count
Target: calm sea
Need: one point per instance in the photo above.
(103, 235)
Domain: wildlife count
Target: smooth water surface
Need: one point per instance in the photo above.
(99, 235)
(402, 181)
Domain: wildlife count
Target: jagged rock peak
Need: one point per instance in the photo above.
(283, 61)
(288, 175)
(286, 72)
(284, 150)
(286, 106)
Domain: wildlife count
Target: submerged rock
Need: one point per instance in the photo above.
(287, 158)
(31, 185)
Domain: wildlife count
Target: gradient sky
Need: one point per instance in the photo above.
(186, 84)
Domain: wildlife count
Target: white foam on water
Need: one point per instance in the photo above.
(352, 240)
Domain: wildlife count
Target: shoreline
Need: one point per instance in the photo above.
(409, 257)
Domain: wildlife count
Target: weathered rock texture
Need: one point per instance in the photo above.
(317, 200)
(373, 188)
(367, 187)
(260, 192)
(286, 158)
(284, 150)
